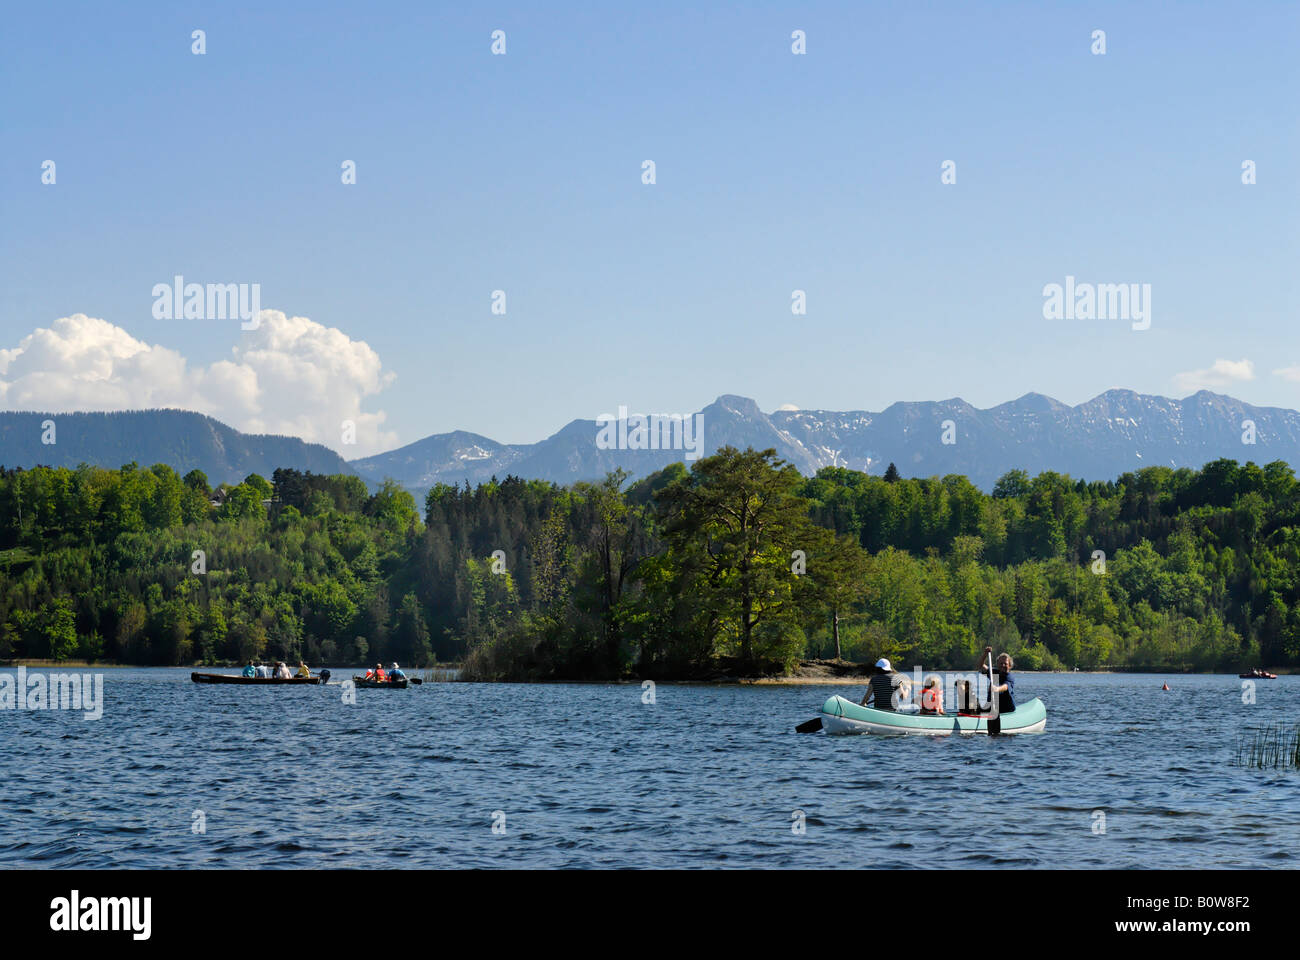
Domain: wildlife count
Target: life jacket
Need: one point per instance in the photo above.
(380, 675)
(932, 699)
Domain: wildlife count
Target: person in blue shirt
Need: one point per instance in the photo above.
(396, 673)
(250, 671)
(1006, 685)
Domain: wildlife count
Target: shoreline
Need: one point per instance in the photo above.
(810, 673)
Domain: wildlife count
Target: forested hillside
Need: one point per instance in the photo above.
(186, 440)
(738, 562)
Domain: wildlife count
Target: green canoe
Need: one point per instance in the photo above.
(845, 716)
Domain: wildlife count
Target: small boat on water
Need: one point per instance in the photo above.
(844, 716)
(254, 681)
(1258, 675)
(380, 685)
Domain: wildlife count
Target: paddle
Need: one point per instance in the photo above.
(809, 726)
(995, 719)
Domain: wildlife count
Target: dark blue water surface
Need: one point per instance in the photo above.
(589, 776)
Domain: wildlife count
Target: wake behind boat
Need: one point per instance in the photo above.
(841, 716)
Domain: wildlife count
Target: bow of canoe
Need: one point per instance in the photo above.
(844, 716)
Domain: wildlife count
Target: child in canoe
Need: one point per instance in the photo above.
(932, 697)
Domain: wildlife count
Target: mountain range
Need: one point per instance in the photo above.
(1117, 431)
(1114, 432)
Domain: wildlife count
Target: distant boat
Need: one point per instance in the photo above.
(1258, 675)
(236, 678)
(381, 685)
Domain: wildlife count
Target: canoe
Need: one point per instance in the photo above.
(845, 716)
(235, 678)
(1257, 676)
(376, 685)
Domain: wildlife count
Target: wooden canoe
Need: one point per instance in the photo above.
(254, 681)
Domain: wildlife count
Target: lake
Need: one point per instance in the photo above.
(177, 774)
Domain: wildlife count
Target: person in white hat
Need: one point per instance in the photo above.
(884, 682)
(396, 673)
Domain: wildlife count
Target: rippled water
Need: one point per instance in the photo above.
(588, 775)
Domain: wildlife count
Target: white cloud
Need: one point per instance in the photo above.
(289, 376)
(1223, 373)
(1291, 373)
(787, 406)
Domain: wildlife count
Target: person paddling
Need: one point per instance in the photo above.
(1005, 688)
(395, 673)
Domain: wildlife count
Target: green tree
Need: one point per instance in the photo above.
(60, 629)
(738, 518)
(837, 574)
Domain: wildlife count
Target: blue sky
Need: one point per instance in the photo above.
(522, 172)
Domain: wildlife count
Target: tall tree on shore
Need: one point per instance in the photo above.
(837, 574)
(735, 520)
(613, 533)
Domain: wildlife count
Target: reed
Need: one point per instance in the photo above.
(1275, 747)
(440, 674)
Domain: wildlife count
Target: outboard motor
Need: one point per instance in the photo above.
(324, 676)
